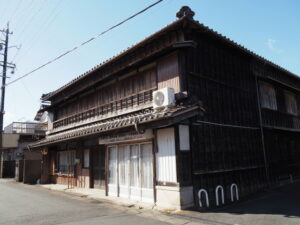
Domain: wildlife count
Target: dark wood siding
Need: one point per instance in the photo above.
(222, 79)
(281, 118)
(283, 154)
(226, 142)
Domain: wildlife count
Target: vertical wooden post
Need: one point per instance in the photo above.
(154, 150)
(262, 131)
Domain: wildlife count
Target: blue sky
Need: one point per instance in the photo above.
(47, 28)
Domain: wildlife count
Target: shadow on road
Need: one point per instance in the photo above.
(277, 206)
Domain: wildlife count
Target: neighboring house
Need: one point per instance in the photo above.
(134, 126)
(17, 160)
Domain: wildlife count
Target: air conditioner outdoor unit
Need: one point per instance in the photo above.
(163, 98)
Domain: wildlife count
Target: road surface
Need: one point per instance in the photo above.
(26, 204)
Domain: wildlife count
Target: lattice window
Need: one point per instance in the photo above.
(268, 96)
(86, 158)
(66, 162)
(291, 103)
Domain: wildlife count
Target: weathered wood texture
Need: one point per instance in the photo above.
(281, 118)
(117, 95)
(136, 55)
(112, 93)
(167, 72)
(283, 154)
(222, 79)
(127, 92)
(226, 143)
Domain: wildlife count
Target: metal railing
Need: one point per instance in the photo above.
(26, 128)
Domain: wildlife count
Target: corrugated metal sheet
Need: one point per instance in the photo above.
(166, 156)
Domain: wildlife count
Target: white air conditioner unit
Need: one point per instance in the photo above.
(163, 98)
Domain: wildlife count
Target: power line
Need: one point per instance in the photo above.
(21, 17)
(44, 26)
(26, 25)
(85, 42)
(16, 9)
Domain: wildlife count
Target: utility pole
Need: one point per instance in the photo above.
(4, 65)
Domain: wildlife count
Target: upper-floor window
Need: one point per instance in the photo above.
(268, 96)
(291, 103)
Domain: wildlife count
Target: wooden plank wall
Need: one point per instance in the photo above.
(283, 154)
(116, 90)
(226, 142)
(281, 134)
(168, 73)
(280, 117)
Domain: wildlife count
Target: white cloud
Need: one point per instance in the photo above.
(271, 45)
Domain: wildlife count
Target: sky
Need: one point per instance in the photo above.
(47, 28)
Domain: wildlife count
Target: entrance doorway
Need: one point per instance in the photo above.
(98, 165)
(131, 171)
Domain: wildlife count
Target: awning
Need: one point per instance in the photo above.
(139, 120)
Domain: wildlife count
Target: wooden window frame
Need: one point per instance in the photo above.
(83, 158)
(58, 170)
(268, 96)
(288, 97)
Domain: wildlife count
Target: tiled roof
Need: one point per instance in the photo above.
(166, 28)
(130, 120)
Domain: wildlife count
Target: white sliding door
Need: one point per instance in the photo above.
(131, 171)
(146, 172)
(135, 189)
(124, 170)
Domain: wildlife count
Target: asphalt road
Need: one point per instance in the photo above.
(31, 205)
(280, 206)
(25, 204)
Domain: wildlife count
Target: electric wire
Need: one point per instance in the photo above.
(28, 23)
(22, 17)
(15, 11)
(35, 39)
(84, 43)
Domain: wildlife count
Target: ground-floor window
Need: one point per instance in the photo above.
(66, 161)
(131, 171)
(86, 158)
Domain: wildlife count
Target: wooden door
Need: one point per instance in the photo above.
(98, 160)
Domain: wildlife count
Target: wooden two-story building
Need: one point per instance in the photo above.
(187, 117)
